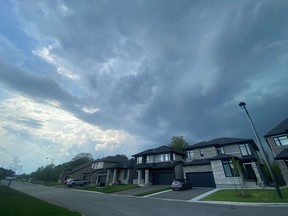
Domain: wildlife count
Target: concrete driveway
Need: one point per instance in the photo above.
(168, 194)
(182, 195)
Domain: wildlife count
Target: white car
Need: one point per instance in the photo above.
(76, 182)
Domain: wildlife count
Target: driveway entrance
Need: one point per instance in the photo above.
(182, 195)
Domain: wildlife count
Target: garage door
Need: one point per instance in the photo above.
(201, 179)
(163, 178)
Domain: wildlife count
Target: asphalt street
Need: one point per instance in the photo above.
(96, 204)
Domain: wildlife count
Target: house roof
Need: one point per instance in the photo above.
(279, 129)
(282, 155)
(159, 150)
(82, 166)
(116, 159)
(128, 164)
(222, 142)
(158, 165)
(197, 162)
(224, 156)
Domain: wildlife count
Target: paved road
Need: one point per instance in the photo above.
(95, 204)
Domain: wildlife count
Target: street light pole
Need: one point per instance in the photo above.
(52, 159)
(243, 106)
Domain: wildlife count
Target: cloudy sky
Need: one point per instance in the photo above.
(121, 76)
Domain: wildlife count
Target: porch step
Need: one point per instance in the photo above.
(251, 185)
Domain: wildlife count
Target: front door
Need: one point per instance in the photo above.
(249, 172)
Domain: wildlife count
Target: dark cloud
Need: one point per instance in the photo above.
(34, 86)
(163, 68)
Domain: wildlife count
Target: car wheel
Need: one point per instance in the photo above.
(84, 184)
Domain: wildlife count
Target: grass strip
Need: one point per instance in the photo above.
(110, 189)
(254, 195)
(13, 203)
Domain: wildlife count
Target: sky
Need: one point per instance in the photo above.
(111, 77)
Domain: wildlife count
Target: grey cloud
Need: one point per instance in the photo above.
(194, 57)
(33, 85)
(29, 122)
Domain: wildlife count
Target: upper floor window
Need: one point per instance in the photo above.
(147, 159)
(98, 165)
(220, 150)
(190, 154)
(281, 140)
(245, 149)
(164, 157)
(139, 160)
(201, 152)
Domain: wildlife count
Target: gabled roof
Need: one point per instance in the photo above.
(222, 142)
(128, 164)
(224, 156)
(163, 165)
(281, 128)
(159, 150)
(115, 159)
(80, 167)
(282, 155)
(197, 162)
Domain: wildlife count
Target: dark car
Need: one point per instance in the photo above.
(181, 184)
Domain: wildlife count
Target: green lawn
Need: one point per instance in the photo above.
(13, 203)
(110, 189)
(153, 191)
(255, 195)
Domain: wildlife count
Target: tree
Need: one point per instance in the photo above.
(178, 143)
(80, 158)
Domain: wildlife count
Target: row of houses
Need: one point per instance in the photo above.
(222, 163)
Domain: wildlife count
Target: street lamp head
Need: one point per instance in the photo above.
(242, 105)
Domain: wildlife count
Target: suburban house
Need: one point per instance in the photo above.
(121, 173)
(277, 139)
(158, 166)
(111, 170)
(76, 173)
(213, 163)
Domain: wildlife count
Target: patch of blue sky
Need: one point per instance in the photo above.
(10, 27)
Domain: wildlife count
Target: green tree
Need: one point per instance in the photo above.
(79, 159)
(178, 143)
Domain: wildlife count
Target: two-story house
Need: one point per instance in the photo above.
(158, 166)
(212, 163)
(277, 139)
(106, 171)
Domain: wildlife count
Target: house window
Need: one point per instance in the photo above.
(244, 149)
(147, 159)
(201, 152)
(228, 168)
(164, 157)
(190, 154)
(173, 156)
(280, 141)
(220, 150)
(139, 160)
(98, 165)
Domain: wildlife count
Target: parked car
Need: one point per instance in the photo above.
(76, 182)
(181, 184)
(66, 181)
